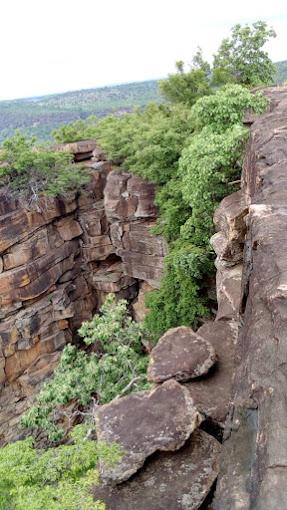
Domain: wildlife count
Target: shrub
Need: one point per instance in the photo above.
(75, 131)
(119, 368)
(31, 169)
(57, 478)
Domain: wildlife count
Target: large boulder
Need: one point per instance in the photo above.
(81, 150)
(169, 481)
(181, 354)
(144, 423)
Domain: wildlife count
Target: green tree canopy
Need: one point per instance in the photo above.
(187, 87)
(241, 57)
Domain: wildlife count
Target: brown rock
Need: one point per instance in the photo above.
(253, 470)
(229, 219)
(26, 251)
(68, 228)
(228, 289)
(181, 354)
(128, 197)
(111, 278)
(169, 481)
(143, 423)
(99, 248)
(81, 150)
(138, 306)
(212, 393)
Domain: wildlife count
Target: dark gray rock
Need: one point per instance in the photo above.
(181, 354)
(169, 481)
(143, 423)
(212, 393)
(254, 466)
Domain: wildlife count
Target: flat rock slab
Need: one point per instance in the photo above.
(181, 354)
(169, 481)
(212, 393)
(144, 423)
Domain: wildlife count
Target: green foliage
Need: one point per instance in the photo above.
(191, 154)
(241, 57)
(119, 368)
(227, 107)
(187, 87)
(30, 168)
(149, 142)
(38, 116)
(75, 131)
(210, 161)
(57, 478)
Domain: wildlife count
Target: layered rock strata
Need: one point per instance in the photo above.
(59, 258)
(147, 424)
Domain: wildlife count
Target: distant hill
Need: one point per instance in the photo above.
(39, 115)
(281, 71)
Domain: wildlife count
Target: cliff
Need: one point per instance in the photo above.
(224, 383)
(59, 258)
(253, 471)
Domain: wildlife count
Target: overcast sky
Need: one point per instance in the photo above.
(59, 45)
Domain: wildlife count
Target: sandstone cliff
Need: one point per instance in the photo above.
(253, 471)
(58, 260)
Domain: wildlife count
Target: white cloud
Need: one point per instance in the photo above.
(58, 45)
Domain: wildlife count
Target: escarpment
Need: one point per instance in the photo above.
(224, 383)
(59, 258)
(253, 470)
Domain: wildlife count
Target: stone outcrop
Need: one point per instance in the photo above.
(144, 423)
(131, 212)
(253, 470)
(170, 481)
(59, 258)
(180, 354)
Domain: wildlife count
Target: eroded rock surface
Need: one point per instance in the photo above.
(144, 423)
(253, 471)
(169, 481)
(59, 258)
(212, 393)
(181, 354)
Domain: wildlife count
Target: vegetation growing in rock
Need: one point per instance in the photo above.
(75, 131)
(30, 168)
(57, 478)
(118, 367)
(204, 155)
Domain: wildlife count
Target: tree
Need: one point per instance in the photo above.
(55, 478)
(241, 58)
(187, 87)
(118, 367)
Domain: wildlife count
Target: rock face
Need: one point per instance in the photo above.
(144, 423)
(59, 258)
(253, 471)
(169, 481)
(180, 354)
(130, 210)
(212, 393)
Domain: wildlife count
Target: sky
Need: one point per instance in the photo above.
(60, 45)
